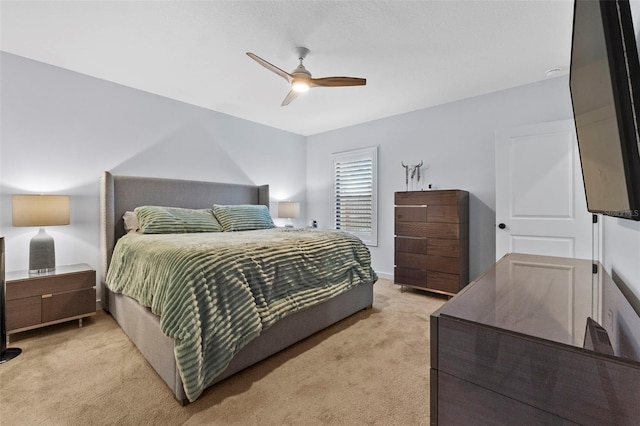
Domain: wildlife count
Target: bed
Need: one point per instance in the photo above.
(121, 194)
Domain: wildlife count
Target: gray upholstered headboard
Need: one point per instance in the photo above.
(119, 194)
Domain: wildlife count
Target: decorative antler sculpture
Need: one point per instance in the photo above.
(414, 169)
(406, 175)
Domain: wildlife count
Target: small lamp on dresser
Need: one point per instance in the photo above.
(288, 210)
(40, 210)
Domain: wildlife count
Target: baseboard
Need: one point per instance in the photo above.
(384, 275)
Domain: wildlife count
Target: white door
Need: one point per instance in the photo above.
(540, 200)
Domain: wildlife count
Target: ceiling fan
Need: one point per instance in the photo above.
(300, 78)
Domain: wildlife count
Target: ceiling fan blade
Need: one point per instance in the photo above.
(290, 96)
(270, 66)
(338, 81)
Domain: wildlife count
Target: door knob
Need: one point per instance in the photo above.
(502, 226)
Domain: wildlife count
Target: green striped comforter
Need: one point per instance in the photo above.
(214, 292)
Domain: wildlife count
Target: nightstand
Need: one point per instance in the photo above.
(34, 301)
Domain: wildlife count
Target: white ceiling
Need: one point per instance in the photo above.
(414, 54)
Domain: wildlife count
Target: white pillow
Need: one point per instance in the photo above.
(130, 222)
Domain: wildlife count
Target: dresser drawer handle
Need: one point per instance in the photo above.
(410, 238)
(411, 205)
(46, 296)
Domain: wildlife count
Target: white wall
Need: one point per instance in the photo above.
(621, 251)
(456, 140)
(60, 130)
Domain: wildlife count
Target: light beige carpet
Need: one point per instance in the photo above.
(371, 368)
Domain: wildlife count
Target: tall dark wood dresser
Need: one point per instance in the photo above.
(432, 240)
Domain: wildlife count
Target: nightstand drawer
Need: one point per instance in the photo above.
(23, 312)
(70, 304)
(49, 283)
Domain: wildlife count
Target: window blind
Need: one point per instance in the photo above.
(355, 193)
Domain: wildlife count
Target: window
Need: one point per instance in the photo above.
(355, 204)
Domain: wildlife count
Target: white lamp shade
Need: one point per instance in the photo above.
(288, 209)
(39, 210)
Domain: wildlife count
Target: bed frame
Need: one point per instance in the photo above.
(123, 193)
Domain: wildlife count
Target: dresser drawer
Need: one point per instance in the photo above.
(485, 406)
(447, 283)
(418, 245)
(564, 380)
(447, 214)
(449, 265)
(410, 276)
(433, 230)
(411, 213)
(443, 247)
(411, 260)
(427, 213)
(431, 246)
(432, 280)
(449, 197)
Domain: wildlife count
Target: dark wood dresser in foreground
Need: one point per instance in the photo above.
(514, 347)
(432, 240)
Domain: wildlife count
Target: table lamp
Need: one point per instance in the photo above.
(288, 210)
(40, 210)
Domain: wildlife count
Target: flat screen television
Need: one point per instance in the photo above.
(604, 81)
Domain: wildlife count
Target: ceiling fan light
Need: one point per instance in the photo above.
(299, 86)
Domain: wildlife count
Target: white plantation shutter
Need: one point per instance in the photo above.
(355, 193)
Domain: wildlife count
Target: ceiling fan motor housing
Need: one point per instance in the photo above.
(300, 69)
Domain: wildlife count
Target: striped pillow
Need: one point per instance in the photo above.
(175, 220)
(243, 217)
